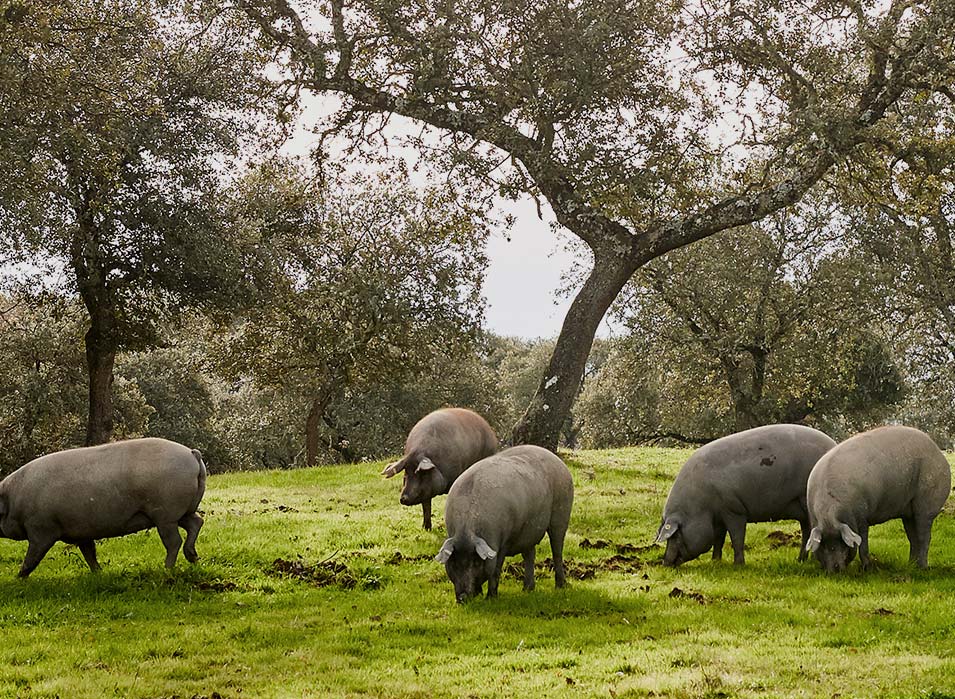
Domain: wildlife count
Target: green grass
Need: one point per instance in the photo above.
(775, 628)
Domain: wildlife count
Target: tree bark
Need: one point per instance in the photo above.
(550, 406)
(100, 357)
(316, 414)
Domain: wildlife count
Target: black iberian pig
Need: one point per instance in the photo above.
(438, 449)
(757, 475)
(887, 473)
(80, 495)
(502, 506)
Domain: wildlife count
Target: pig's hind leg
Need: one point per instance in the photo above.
(529, 555)
(88, 549)
(169, 533)
(192, 523)
(36, 550)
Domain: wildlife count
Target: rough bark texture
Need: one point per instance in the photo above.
(99, 362)
(544, 417)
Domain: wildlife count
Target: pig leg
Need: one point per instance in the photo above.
(169, 533)
(864, 559)
(36, 550)
(192, 523)
(426, 511)
(88, 549)
(529, 568)
(923, 527)
(912, 534)
(556, 536)
(806, 530)
(719, 538)
(495, 578)
(736, 525)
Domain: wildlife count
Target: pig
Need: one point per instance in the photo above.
(500, 507)
(888, 472)
(80, 495)
(757, 475)
(438, 449)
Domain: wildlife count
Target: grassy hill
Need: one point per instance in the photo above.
(317, 583)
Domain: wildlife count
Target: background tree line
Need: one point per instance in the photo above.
(169, 272)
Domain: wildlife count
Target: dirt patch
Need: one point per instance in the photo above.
(217, 585)
(882, 611)
(619, 548)
(683, 594)
(397, 558)
(322, 574)
(778, 539)
(573, 569)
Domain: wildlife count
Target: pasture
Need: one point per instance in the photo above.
(317, 583)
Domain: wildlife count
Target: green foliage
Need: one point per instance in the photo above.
(387, 625)
(777, 323)
(372, 281)
(43, 401)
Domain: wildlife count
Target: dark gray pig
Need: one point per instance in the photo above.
(757, 475)
(81, 495)
(876, 476)
(500, 507)
(438, 449)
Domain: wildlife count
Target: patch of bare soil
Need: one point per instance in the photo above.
(321, 574)
(778, 539)
(683, 594)
(397, 558)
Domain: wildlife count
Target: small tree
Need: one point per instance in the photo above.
(373, 280)
(116, 119)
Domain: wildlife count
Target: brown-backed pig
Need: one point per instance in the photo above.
(886, 473)
(502, 506)
(757, 475)
(438, 449)
(80, 495)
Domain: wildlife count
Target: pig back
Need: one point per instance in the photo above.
(453, 438)
(880, 475)
(107, 490)
(511, 498)
(758, 472)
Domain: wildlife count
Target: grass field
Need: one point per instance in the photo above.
(259, 617)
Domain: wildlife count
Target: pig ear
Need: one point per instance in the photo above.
(447, 548)
(850, 537)
(394, 468)
(815, 538)
(667, 529)
(425, 464)
(483, 549)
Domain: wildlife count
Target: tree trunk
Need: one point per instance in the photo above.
(316, 414)
(311, 431)
(100, 357)
(551, 404)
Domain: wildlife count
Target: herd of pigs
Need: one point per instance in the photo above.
(501, 503)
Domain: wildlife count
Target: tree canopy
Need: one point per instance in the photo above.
(116, 122)
(644, 126)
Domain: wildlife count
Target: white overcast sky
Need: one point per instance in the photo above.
(525, 266)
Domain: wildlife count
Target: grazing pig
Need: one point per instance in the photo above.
(81, 495)
(438, 449)
(757, 475)
(502, 506)
(876, 476)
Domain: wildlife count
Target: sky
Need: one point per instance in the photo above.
(526, 263)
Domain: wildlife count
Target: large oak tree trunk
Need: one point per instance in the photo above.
(100, 358)
(551, 404)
